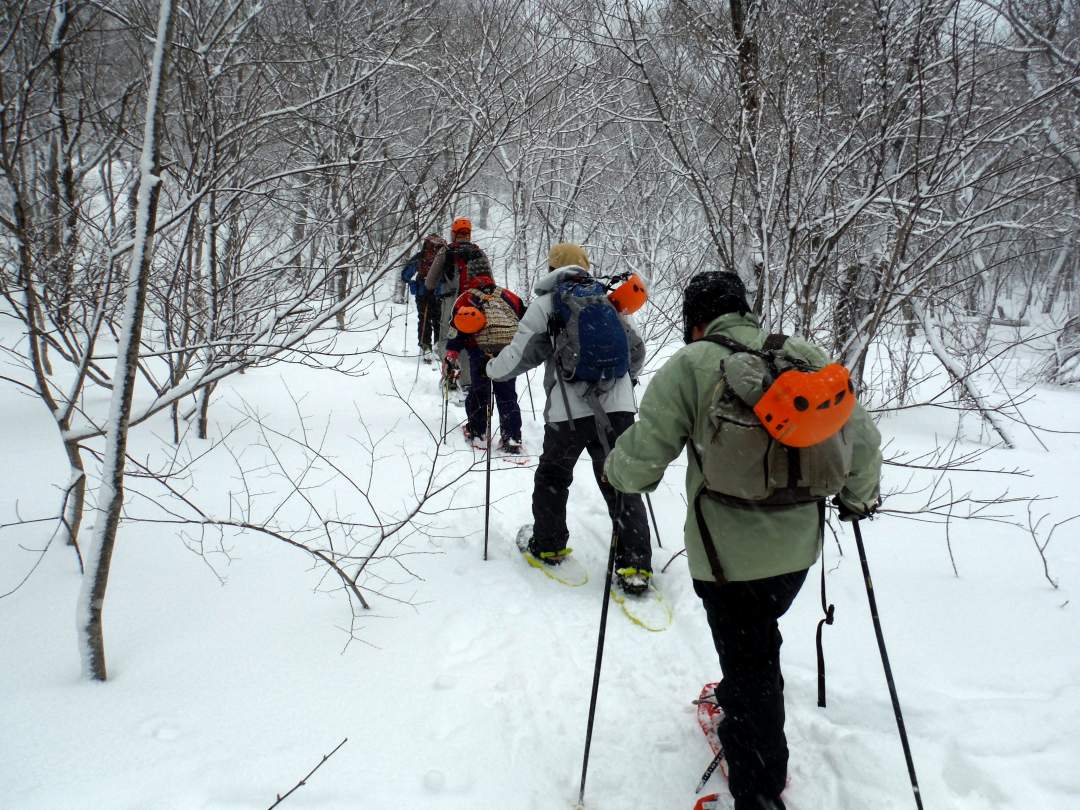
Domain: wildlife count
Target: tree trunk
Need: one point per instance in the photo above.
(1060, 271)
(208, 254)
(74, 497)
(204, 411)
(111, 491)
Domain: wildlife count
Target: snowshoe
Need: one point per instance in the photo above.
(476, 442)
(511, 447)
(709, 716)
(513, 452)
(632, 581)
(560, 566)
(640, 601)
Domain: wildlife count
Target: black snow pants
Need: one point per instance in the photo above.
(476, 401)
(743, 619)
(551, 489)
(428, 318)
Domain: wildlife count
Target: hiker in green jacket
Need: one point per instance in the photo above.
(758, 556)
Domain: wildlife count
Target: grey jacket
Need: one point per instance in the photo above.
(531, 346)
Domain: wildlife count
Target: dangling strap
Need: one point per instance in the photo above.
(703, 526)
(552, 327)
(600, 416)
(829, 611)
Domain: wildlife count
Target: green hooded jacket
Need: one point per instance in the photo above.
(750, 543)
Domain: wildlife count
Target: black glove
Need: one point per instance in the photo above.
(847, 514)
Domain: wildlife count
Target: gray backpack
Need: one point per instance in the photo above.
(742, 463)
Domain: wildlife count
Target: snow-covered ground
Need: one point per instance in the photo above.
(468, 686)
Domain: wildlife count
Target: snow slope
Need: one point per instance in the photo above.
(469, 684)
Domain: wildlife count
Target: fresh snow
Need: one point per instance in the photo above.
(468, 684)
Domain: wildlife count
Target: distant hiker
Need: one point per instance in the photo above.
(755, 519)
(452, 267)
(428, 302)
(579, 414)
(485, 319)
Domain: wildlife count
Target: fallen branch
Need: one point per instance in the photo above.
(283, 796)
(1033, 528)
(961, 378)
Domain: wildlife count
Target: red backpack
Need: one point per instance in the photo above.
(428, 251)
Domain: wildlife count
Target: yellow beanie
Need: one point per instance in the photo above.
(567, 253)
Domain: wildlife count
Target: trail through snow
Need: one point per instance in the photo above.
(475, 695)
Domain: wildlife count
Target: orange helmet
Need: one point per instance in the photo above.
(469, 320)
(461, 225)
(803, 408)
(630, 296)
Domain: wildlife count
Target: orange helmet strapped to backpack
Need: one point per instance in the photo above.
(804, 408)
(469, 319)
(630, 296)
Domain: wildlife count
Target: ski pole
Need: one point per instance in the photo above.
(405, 342)
(599, 650)
(487, 485)
(648, 500)
(885, 664)
(445, 402)
(528, 387)
(652, 514)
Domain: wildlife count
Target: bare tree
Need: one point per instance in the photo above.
(111, 491)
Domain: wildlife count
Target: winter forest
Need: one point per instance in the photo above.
(235, 531)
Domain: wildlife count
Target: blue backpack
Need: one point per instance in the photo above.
(408, 275)
(411, 275)
(590, 339)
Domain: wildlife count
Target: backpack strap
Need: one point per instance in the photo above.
(729, 343)
(827, 609)
(774, 342)
(604, 429)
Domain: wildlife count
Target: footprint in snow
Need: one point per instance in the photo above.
(159, 728)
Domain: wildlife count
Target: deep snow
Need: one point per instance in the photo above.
(472, 692)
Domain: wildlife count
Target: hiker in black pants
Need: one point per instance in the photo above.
(551, 490)
(747, 558)
(568, 405)
(743, 619)
(429, 316)
(428, 302)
